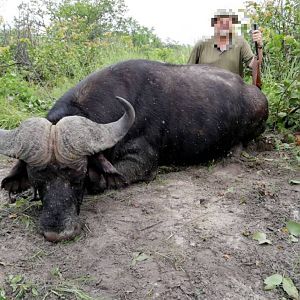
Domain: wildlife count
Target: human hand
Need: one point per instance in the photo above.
(257, 37)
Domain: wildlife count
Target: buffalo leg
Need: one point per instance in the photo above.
(101, 173)
(17, 180)
(132, 162)
(136, 160)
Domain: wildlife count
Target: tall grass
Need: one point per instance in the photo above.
(26, 95)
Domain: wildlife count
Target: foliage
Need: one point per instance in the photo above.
(18, 287)
(261, 238)
(280, 23)
(293, 228)
(54, 44)
(287, 284)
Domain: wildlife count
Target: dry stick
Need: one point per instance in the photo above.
(150, 226)
(7, 66)
(184, 292)
(87, 228)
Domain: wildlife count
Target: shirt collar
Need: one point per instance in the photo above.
(230, 46)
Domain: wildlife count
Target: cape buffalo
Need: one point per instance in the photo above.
(175, 114)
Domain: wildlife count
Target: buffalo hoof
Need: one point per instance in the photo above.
(115, 181)
(65, 235)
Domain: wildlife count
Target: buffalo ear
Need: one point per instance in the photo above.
(104, 173)
(94, 182)
(102, 165)
(17, 180)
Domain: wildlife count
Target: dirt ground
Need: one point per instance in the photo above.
(185, 235)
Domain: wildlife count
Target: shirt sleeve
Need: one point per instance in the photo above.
(195, 54)
(246, 52)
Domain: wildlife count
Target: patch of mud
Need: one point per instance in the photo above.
(194, 225)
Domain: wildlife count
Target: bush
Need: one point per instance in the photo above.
(41, 61)
(280, 23)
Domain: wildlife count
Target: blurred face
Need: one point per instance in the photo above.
(223, 26)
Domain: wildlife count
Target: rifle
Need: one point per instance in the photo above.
(256, 79)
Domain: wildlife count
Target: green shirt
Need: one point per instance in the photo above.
(205, 52)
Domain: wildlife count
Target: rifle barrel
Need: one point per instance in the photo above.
(256, 45)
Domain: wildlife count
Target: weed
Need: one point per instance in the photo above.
(39, 255)
(21, 288)
(159, 180)
(63, 291)
(20, 211)
(173, 258)
(2, 294)
(56, 272)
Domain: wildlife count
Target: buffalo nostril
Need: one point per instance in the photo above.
(77, 229)
(51, 236)
(67, 234)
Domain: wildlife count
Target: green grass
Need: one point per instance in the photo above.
(20, 287)
(11, 114)
(22, 98)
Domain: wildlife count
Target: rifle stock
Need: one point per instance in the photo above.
(256, 76)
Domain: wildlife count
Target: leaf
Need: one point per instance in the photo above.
(56, 272)
(269, 287)
(20, 202)
(272, 281)
(34, 292)
(142, 257)
(282, 114)
(2, 294)
(139, 256)
(15, 279)
(293, 228)
(289, 288)
(293, 239)
(261, 238)
(14, 286)
(230, 190)
(245, 154)
(13, 216)
(294, 181)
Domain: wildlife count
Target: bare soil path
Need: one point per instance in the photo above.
(185, 235)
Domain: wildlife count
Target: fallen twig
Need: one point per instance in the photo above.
(150, 226)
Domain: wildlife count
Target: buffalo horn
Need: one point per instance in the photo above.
(77, 137)
(28, 142)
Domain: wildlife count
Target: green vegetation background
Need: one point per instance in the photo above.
(52, 45)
